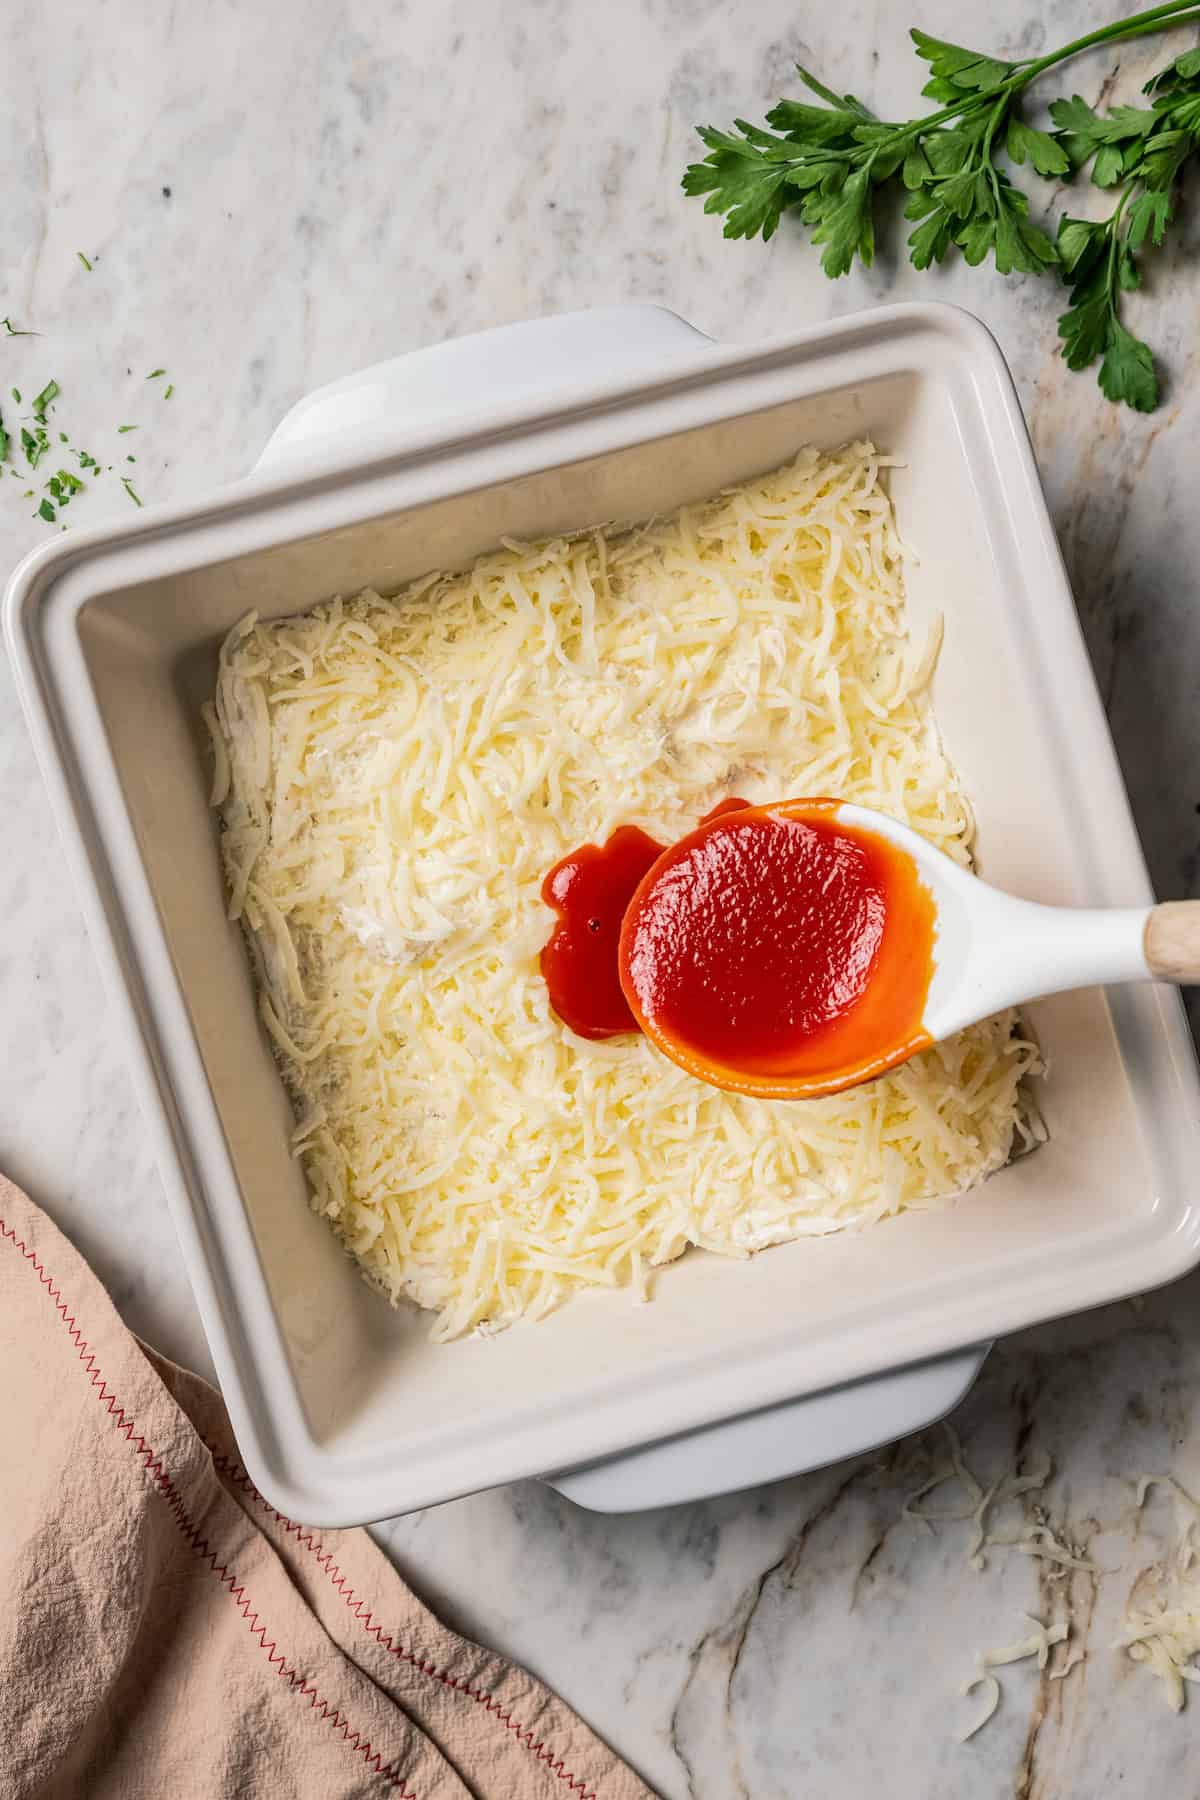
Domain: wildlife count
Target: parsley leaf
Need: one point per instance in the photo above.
(1080, 122)
(739, 181)
(1084, 327)
(1078, 238)
(35, 444)
(1184, 68)
(1099, 264)
(1149, 217)
(1127, 372)
(842, 222)
(1047, 156)
(952, 66)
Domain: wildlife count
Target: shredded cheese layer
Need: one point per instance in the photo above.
(395, 778)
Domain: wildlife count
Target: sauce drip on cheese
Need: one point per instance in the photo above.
(590, 890)
(779, 952)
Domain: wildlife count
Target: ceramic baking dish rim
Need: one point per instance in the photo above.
(250, 1355)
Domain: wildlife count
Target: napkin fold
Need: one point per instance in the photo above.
(164, 1631)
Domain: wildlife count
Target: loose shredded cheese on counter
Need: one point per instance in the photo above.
(395, 778)
(991, 1700)
(1166, 1641)
(1038, 1643)
(1187, 1513)
(1166, 1637)
(1038, 1539)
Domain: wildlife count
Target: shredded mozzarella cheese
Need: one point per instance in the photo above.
(1038, 1643)
(1038, 1539)
(1167, 1637)
(395, 778)
(1187, 1512)
(1166, 1641)
(991, 1700)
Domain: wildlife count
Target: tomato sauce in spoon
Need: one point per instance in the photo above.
(777, 952)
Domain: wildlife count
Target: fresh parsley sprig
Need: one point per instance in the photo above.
(830, 160)
(1140, 152)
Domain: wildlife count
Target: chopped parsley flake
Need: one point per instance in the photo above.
(83, 259)
(126, 427)
(154, 374)
(16, 394)
(170, 391)
(129, 489)
(47, 512)
(46, 398)
(14, 331)
(34, 444)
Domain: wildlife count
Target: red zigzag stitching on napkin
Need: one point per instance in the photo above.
(237, 1474)
(153, 1467)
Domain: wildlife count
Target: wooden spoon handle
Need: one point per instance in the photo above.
(1172, 942)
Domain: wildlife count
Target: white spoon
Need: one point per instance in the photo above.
(993, 950)
(717, 950)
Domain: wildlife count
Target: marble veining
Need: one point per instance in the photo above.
(272, 195)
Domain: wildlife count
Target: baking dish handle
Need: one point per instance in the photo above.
(500, 367)
(778, 1441)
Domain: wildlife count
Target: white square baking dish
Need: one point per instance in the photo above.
(343, 1409)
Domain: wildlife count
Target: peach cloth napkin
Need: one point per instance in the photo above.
(164, 1631)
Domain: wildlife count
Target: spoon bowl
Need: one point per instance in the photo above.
(987, 951)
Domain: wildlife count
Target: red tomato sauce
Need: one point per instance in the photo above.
(780, 953)
(590, 890)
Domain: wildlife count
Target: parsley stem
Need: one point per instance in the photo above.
(1114, 241)
(985, 152)
(1157, 18)
(1174, 12)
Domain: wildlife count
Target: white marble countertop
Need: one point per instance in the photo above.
(274, 194)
